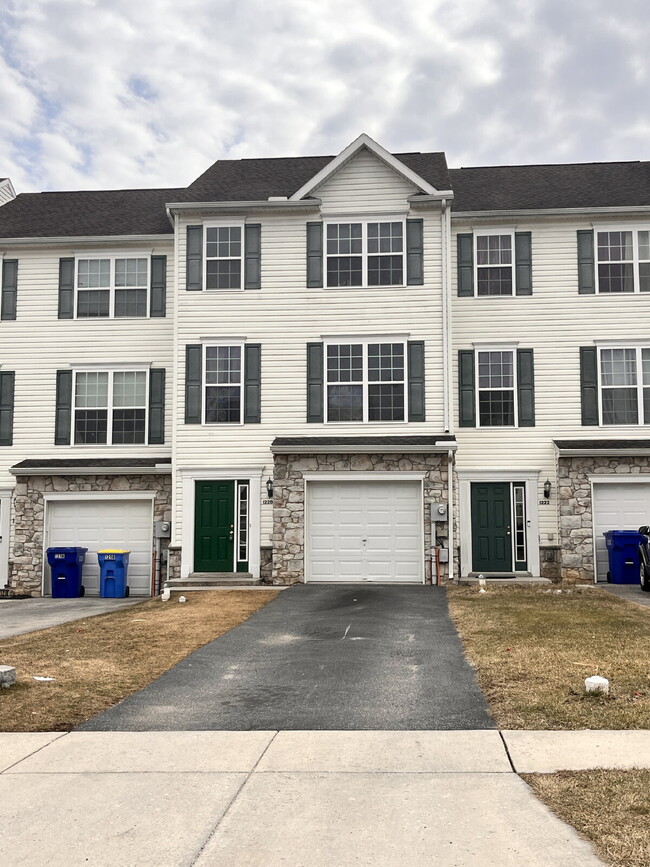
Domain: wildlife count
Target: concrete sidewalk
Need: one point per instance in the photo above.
(19, 616)
(303, 799)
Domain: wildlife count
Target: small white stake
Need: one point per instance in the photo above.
(597, 684)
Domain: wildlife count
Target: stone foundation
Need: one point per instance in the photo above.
(576, 510)
(266, 563)
(26, 562)
(289, 499)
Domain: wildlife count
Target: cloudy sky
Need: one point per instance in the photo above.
(142, 93)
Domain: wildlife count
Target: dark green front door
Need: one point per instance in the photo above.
(214, 527)
(491, 527)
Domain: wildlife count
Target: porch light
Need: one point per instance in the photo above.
(269, 487)
(547, 489)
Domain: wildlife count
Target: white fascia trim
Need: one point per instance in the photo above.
(373, 449)
(112, 253)
(365, 338)
(602, 453)
(548, 212)
(615, 480)
(628, 343)
(363, 141)
(126, 470)
(529, 475)
(223, 341)
(103, 365)
(420, 199)
(188, 478)
(71, 240)
(244, 207)
(370, 476)
(8, 185)
(100, 495)
(496, 345)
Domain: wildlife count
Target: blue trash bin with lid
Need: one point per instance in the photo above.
(623, 552)
(113, 573)
(66, 565)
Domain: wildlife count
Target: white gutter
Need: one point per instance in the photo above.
(551, 212)
(602, 453)
(263, 204)
(374, 448)
(440, 196)
(126, 469)
(84, 239)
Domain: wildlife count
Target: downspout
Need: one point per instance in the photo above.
(444, 256)
(175, 380)
(450, 514)
(445, 226)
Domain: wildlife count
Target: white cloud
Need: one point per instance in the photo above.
(116, 93)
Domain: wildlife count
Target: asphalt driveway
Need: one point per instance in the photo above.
(18, 616)
(337, 657)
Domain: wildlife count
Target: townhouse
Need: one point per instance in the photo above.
(367, 367)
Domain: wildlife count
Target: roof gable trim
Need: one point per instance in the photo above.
(363, 141)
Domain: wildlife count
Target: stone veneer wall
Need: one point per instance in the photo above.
(26, 562)
(576, 511)
(289, 499)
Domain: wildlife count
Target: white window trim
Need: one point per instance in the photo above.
(637, 346)
(223, 224)
(215, 344)
(383, 218)
(634, 229)
(111, 256)
(110, 408)
(488, 232)
(364, 382)
(495, 347)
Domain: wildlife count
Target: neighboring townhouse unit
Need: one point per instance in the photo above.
(328, 369)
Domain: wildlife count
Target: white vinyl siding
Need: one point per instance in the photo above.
(364, 184)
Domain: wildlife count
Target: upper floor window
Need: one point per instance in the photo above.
(223, 385)
(365, 254)
(365, 381)
(494, 258)
(110, 407)
(113, 286)
(625, 386)
(223, 257)
(623, 259)
(494, 263)
(496, 388)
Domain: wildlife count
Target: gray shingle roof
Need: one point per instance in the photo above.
(79, 464)
(257, 179)
(87, 212)
(573, 185)
(603, 445)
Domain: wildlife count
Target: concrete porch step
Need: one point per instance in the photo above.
(505, 579)
(210, 580)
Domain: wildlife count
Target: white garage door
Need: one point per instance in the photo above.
(97, 524)
(364, 531)
(618, 507)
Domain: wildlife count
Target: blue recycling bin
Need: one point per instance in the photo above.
(113, 573)
(623, 551)
(66, 565)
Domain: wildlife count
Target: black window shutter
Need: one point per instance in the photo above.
(157, 301)
(7, 381)
(589, 384)
(586, 269)
(66, 288)
(252, 383)
(526, 387)
(523, 264)
(466, 388)
(252, 262)
(156, 406)
(194, 263)
(193, 383)
(414, 253)
(416, 380)
(63, 417)
(314, 255)
(465, 251)
(315, 384)
(9, 288)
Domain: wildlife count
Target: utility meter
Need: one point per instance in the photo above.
(438, 512)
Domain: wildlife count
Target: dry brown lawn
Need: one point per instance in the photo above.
(100, 660)
(532, 651)
(609, 808)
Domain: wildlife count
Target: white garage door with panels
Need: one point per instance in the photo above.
(364, 531)
(617, 506)
(97, 524)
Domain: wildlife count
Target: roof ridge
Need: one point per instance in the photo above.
(551, 165)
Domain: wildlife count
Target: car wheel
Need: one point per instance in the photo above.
(644, 577)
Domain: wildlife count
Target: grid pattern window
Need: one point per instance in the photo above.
(112, 287)
(623, 261)
(223, 385)
(243, 517)
(366, 382)
(494, 264)
(496, 388)
(223, 257)
(625, 386)
(365, 254)
(110, 407)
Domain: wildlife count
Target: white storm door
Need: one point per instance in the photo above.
(365, 531)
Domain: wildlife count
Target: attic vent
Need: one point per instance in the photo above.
(278, 198)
